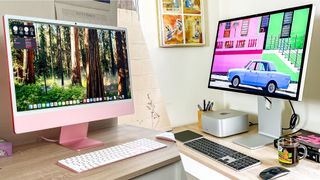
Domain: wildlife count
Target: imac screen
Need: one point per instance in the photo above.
(56, 65)
(262, 54)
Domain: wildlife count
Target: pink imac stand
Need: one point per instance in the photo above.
(75, 137)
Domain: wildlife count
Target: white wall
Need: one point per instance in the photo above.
(308, 109)
(183, 73)
(144, 83)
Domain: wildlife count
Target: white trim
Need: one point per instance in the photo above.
(306, 57)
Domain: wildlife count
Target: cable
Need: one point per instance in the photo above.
(252, 124)
(268, 99)
(49, 140)
(290, 134)
(294, 119)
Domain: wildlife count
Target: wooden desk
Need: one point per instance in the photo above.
(268, 156)
(38, 161)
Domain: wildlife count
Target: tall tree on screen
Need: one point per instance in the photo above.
(121, 63)
(28, 67)
(17, 56)
(41, 60)
(113, 64)
(105, 54)
(95, 87)
(67, 49)
(50, 51)
(82, 48)
(75, 57)
(59, 56)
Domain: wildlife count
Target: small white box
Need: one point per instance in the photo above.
(224, 123)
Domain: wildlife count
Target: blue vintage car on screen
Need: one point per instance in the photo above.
(259, 73)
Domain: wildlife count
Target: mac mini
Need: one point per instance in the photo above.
(225, 123)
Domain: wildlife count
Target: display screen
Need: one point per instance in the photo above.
(56, 65)
(262, 54)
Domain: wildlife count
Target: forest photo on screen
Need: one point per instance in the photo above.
(62, 65)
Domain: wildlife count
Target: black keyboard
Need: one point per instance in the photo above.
(226, 156)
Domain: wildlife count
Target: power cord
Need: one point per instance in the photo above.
(252, 124)
(294, 119)
(268, 99)
(49, 140)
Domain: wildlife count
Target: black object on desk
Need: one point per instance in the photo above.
(229, 157)
(273, 173)
(187, 135)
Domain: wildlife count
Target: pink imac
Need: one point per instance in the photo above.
(66, 74)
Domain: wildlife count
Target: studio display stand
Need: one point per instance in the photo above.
(75, 137)
(269, 124)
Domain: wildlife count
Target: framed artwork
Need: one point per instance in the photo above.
(181, 23)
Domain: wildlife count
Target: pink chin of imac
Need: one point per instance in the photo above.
(73, 122)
